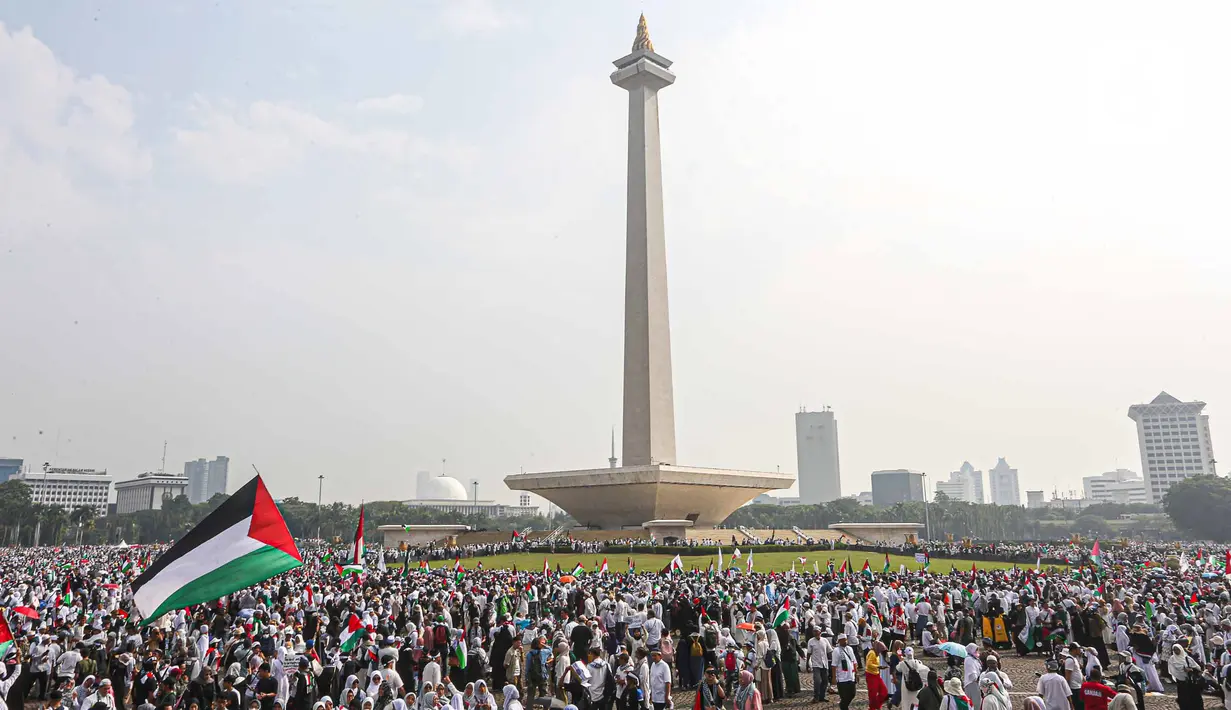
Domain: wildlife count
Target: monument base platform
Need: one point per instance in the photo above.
(626, 497)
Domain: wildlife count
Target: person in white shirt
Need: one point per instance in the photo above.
(819, 652)
(923, 616)
(842, 671)
(1054, 689)
(7, 682)
(598, 678)
(660, 682)
(653, 630)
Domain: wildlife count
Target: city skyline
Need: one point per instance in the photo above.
(331, 259)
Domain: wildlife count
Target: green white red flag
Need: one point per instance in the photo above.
(243, 542)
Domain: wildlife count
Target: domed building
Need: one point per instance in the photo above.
(448, 494)
(441, 488)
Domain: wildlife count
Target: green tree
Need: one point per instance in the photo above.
(1199, 505)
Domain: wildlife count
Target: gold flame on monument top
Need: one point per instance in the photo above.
(643, 36)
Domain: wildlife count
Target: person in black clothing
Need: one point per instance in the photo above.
(266, 688)
(500, 646)
(581, 637)
(303, 687)
(230, 696)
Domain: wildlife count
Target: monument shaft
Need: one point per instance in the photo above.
(649, 403)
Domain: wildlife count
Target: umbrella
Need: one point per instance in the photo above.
(955, 649)
(111, 586)
(746, 627)
(827, 586)
(565, 579)
(25, 611)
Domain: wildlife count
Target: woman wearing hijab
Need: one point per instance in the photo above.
(910, 698)
(1187, 676)
(747, 695)
(955, 696)
(482, 700)
(877, 692)
(511, 698)
(373, 689)
(972, 668)
(994, 695)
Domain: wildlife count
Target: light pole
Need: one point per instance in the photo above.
(320, 485)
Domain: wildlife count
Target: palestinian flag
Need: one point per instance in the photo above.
(784, 613)
(867, 569)
(803, 560)
(6, 638)
(710, 572)
(1096, 556)
(66, 599)
(632, 565)
(927, 559)
(352, 635)
(843, 569)
(532, 592)
(479, 565)
(460, 651)
(603, 568)
(458, 571)
(578, 570)
(355, 565)
(1149, 608)
(243, 542)
(128, 566)
(423, 565)
(886, 570)
(517, 536)
(546, 569)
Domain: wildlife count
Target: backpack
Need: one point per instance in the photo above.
(609, 684)
(534, 666)
(442, 636)
(913, 680)
(697, 651)
(729, 661)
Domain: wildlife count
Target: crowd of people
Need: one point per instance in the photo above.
(1103, 635)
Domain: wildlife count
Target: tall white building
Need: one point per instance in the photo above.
(1118, 486)
(1174, 438)
(1002, 484)
(148, 491)
(964, 484)
(816, 451)
(197, 473)
(206, 478)
(217, 474)
(1034, 499)
(69, 487)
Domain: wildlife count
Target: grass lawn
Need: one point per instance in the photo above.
(763, 561)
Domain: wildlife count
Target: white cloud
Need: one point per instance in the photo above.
(59, 134)
(234, 144)
(476, 17)
(393, 103)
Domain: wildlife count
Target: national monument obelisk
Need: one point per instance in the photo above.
(649, 404)
(649, 486)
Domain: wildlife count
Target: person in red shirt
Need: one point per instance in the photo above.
(1095, 695)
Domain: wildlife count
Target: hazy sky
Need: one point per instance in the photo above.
(358, 238)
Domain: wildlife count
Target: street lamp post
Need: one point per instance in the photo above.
(320, 485)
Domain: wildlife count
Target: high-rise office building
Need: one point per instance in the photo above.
(1118, 486)
(197, 473)
(1034, 499)
(217, 474)
(206, 479)
(895, 486)
(1174, 438)
(1002, 484)
(816, 451)
(9, 468)
(964, 484)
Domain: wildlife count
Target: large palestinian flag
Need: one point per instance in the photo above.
(243, 542)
